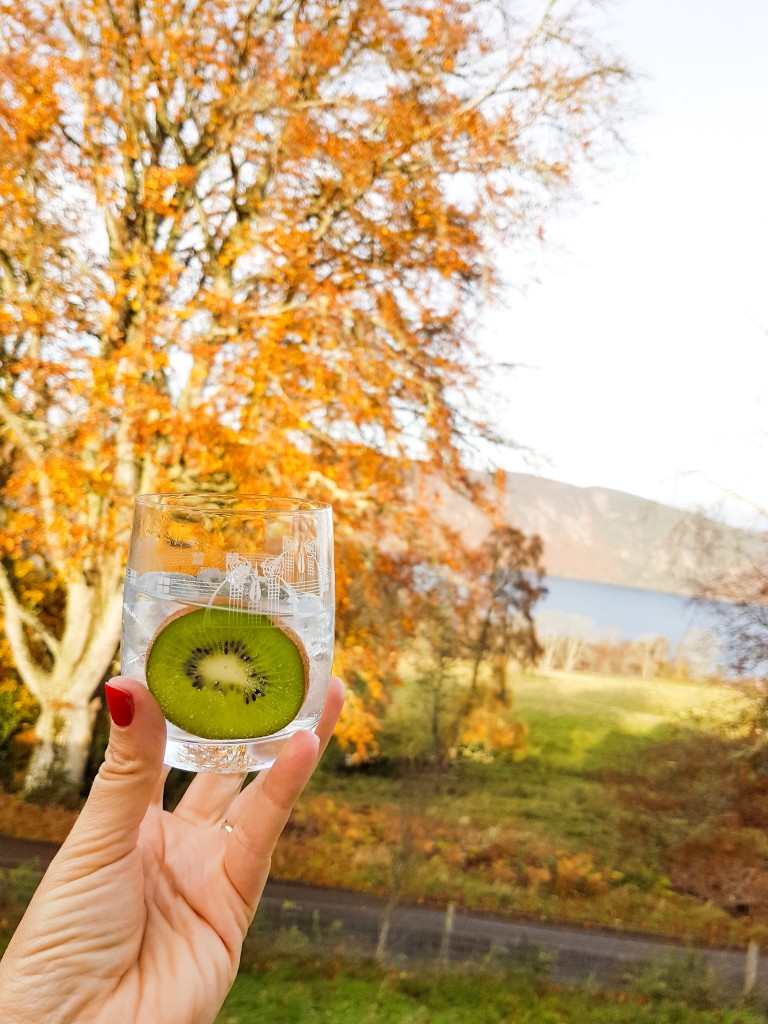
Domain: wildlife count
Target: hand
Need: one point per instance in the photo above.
(141, 916)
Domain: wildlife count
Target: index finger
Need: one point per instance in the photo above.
(259, 814)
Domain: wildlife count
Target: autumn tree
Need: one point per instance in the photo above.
(474, 611)
(503, 583)
(439, 604)
(243, 244)
(737, 607)
(506, 584)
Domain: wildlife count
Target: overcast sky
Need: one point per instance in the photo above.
(646, 339)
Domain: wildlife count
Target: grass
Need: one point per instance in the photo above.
(331, 992)
(613, 815)
(582, 825)
(329, 986)
(617, 775)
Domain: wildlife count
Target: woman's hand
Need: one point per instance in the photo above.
(141, 916)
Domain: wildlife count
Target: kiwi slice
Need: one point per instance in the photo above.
(227, 674)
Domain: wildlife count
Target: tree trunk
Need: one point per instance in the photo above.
(550, 654)
(66, 694)
(63, 733)
(573, 650)
(437, 705)
(501, 676)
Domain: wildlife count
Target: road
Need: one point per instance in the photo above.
(416, 932)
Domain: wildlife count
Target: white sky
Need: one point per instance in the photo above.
(646, 339)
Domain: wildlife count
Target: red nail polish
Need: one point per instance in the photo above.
(120, 704)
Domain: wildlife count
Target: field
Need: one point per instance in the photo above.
(629, 807)
(279, 987)
(300, 992)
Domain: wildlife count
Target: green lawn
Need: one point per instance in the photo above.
(286, 992)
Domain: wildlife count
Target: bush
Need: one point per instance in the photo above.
(723, 864)
(30, 821)
(685, 979)
(17, 887)
(18, 713)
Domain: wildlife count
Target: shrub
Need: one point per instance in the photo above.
(17, 887)
(724, 865)
(18, 713)
(685, 979)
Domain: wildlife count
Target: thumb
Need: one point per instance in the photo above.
(124, 786)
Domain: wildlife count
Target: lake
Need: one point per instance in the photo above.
(602, 610)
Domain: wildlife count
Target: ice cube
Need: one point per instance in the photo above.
(315, 632)
(139, 622)
(308, 604)
(215, 576)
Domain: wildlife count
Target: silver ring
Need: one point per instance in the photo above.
(226, 826)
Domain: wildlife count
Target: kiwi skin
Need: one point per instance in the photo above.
(249, 705)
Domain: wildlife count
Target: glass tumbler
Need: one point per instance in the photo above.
(228, 618)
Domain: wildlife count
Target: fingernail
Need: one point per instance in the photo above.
(120, 704)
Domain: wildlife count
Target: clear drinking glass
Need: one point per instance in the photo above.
(228, 618)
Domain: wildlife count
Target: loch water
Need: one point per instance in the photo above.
(606, 611)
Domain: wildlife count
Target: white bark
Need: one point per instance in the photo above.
(89, 640)
(64, 736)
(550, 654)
(15, 618)
(96, 656)
(65, 681)
(574, 647)
(91, 637)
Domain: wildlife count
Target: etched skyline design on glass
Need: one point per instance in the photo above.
(251, 581)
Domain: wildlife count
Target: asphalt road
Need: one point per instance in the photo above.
(573, 954)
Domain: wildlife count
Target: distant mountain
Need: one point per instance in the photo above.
(593, 533)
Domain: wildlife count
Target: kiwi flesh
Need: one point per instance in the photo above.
(221, 674)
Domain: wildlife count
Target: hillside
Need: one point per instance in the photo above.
(594, 533)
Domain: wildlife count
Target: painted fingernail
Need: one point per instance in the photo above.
(120, 704)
